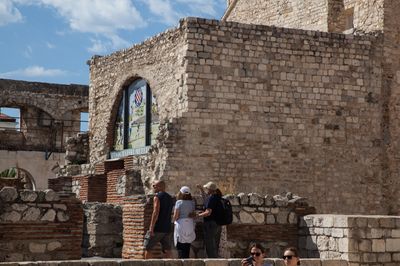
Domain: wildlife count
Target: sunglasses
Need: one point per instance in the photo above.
(289, 257)
(255, 254)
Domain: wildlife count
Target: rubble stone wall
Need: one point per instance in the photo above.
(360, 240)
(39, 225)
(273, 218)
(102, 231)
(188, 262)
(159, 60)
(48, 112)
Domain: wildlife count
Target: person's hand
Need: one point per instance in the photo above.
(244, 262)
(151, 232)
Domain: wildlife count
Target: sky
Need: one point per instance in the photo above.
(51, 40)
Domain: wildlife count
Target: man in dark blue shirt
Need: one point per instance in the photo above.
(160, 225)
(212, 231)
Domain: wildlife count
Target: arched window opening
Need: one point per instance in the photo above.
(18, 178)
(137, 121)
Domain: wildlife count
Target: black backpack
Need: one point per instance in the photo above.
(225, 215)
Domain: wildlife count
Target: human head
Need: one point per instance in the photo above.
(158, 186)
(184, 194)
(258, 253)
(210, 187)
(291, 256)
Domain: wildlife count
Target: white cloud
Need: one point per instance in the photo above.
(98, 16)
(103, 18)
(33, 71)
(98, 46)
(28, 52)
(164, 8)
(9, 13)
(171, 11)
(50, 45)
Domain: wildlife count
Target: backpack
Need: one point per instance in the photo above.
(225, 215)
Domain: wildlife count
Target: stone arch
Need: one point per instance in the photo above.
(119, 87)
(17, 177)
(23, 103)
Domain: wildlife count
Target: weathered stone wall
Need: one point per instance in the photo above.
(391, 113)
(274, 110)
(360, 240)
(267, 110)
(299, 14)
(365, 16)
(39, 225)
(102, 231)
(186, 262)
(159, 60)
(34, 162)
(321, 15)
(49, 113)
(77, 149)
(270, 220)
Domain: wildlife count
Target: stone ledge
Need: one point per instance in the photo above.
(172, 262)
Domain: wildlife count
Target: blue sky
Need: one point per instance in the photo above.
(51, 40)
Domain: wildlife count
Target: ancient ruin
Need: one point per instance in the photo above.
(49, 113)
(290, 106)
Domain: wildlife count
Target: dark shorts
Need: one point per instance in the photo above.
(163, 238)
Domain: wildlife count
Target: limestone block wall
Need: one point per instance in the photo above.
(299, 14)
(320, 15)
(365, 16)
(360, 240)
(265, 110)
(102, 231)
(39, 225)
(273, 109)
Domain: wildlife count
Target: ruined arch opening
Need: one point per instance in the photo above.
(136, 123)
(18, 178)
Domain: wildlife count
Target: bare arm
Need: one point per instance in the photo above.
(154, 215)
(176, 215)
(206, 213)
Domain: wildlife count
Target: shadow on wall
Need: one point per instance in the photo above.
(307, 245)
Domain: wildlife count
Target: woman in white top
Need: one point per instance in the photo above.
(184, 233)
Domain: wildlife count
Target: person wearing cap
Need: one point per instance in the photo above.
(184, 232)
(160, 224)
(212, 231)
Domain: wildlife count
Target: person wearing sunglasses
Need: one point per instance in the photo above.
(256, 258)
(291, 256)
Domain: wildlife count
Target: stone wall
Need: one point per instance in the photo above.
(189, 262)
(102, 231)
(77, 149)
(299, 14)
(39, 225)
(273, 218)
(44, 123)
(273, 110)
(263, 106)
(322, 15)
(159, 60)
(33, 162)
(361, 240)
